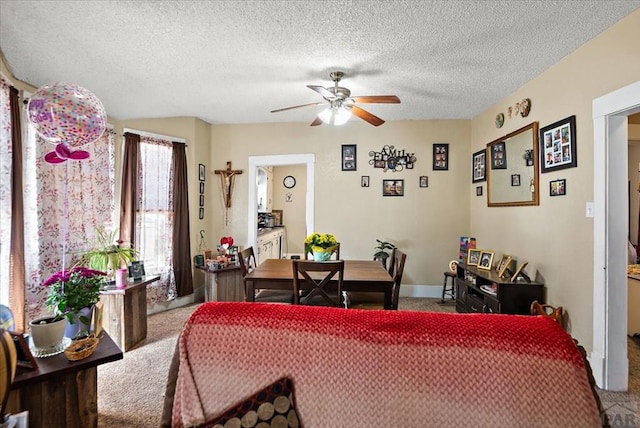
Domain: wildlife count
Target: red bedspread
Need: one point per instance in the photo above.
(364, 368)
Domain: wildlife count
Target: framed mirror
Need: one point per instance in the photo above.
(513, 170)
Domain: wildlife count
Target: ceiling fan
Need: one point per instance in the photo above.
(341, 105)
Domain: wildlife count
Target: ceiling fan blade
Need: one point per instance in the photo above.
(365, 115)
(382, 99)
(317, 121)
(322, 91)
(292, 107)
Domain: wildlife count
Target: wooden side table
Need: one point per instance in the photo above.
(223, 285)
(62, 393)
(124, 314)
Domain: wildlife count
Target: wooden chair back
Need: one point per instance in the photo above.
(335, 251)
(247, 260)
(556, 314)
(396, 270)
(317, 285)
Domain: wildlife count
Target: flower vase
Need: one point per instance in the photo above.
(47, 332)
(78, 326)
(322, 255)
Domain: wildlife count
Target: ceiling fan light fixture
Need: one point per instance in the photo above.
(335, 115)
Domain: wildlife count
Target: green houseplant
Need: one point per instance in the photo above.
(108, 254)
(382, 253)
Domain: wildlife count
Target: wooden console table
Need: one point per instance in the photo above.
(62, 393)
(124, 314)
(223, 285)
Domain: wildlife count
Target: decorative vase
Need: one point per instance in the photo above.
(78, 326)
(47, 333)
(322, 255)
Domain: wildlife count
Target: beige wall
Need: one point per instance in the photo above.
(426, 222)
(555, 237)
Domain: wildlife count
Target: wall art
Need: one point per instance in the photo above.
(424, 181)
(390, 158)
(479, 166)
(440, 157)
(349, 161)
(558, 145)
(392, 187)
(558, 187)
(364, 181)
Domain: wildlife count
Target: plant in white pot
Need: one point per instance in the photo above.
(382, 253)
(108, 254)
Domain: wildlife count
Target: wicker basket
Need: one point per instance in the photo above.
(82, 348)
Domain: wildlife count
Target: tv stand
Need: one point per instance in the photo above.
(482, 290)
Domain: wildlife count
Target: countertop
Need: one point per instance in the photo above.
(265, 230)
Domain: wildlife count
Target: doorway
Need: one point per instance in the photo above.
(278, 160)
(608, 358)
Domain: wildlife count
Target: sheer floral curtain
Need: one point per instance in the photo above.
(155, 217)
(88, 188)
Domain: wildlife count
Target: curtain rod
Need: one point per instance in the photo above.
(152, 135)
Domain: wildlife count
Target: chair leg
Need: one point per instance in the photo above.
(444, 287)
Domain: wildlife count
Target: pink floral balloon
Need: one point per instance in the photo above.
(65, 113)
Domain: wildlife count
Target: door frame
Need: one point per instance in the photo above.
(278, 160)
(608, 358)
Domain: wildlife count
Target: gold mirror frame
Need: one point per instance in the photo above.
(508, 187)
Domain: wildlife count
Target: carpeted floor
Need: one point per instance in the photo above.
(130, 391)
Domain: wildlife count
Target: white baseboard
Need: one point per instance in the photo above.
(421, 291)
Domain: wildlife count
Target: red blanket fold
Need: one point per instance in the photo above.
(363, 368)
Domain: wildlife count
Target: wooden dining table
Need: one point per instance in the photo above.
(359, 275)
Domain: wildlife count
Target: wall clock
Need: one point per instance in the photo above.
(289, 182)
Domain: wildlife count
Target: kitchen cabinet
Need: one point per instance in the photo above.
(265, 189)
(269, 244)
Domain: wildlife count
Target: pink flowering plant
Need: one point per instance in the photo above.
(72, 290)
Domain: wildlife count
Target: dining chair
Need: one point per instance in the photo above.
(247, 260)
(336, 251)
(370, 300)
(318, 292)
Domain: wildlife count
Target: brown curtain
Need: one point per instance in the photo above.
(181, 235)
(16, 257)
(129, 196)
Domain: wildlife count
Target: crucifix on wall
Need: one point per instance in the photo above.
(227, 182)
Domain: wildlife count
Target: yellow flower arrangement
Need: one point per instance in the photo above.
(320, 242)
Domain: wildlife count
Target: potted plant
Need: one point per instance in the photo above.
(321, 245)
(71, 294)
(382, 254)
(108, 254)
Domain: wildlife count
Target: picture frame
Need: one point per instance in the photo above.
(479, 166)
(558, 146)
(486, 260)
(440, 157)
(503, 264)
(277, 217)
(364, 181)
(393, 187)
(473, 256)
(520, 271)
(515, 180)
(202, 187)
(201, 213)
(24, 357)
(498, 155)
(478, 190)
(202, 200)
(424, 181)
(136, 270)
(558, 187)
(96, 319)
(201, 172)
(349, 157)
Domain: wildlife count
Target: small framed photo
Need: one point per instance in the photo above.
(486, 259)
(478, 190)
(473, 257)
(498, 155)
(515, 179)
(202, 187)
(558, 187)
(424, 181)
(277, 217)
(136, 270)
(520, 273)
(479, 162)
(503, 264)
(440, 157)
(558, 145)
(24, 357)
(202, 200)
(392, 187)
(201, 213)
(364, 181)
(349, 160)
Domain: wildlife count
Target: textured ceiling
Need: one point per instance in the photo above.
(234, 61)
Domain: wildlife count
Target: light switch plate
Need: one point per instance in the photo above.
(589, 210)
